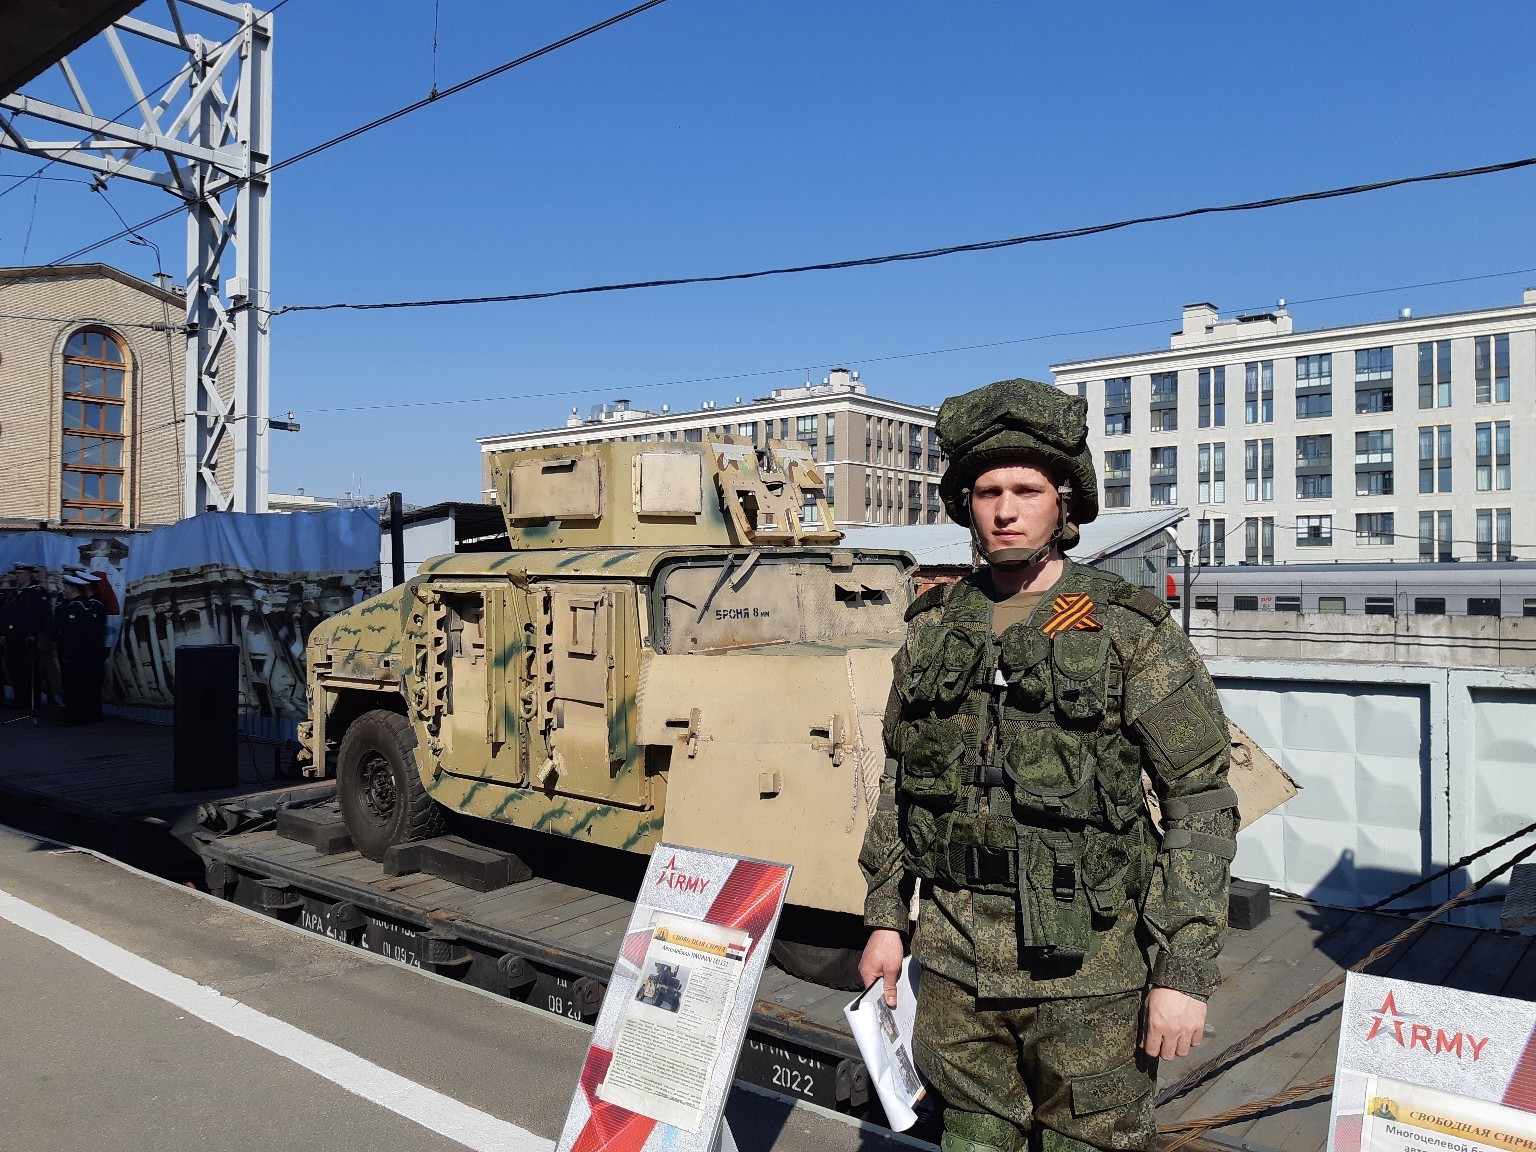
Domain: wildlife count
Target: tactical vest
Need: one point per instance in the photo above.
(1013, 767)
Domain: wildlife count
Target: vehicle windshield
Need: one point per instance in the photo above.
(748, 598)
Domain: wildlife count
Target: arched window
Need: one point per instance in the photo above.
(95, 386)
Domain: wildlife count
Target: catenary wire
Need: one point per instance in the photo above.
(382, 120)
(931, 253)
(38, 175)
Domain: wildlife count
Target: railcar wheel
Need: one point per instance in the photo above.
(377, 780)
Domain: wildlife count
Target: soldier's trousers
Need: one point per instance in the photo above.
(1069, 1070)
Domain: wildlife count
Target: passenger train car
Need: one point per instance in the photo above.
(1506, 588)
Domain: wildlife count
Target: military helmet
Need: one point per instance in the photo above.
(1022, 421)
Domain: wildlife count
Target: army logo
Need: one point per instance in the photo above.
(1073, 611)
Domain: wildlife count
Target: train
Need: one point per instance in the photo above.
(1499, 588)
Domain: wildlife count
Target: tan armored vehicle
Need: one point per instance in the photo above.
(675, 648)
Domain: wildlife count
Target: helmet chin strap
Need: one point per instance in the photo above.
(1011, 559)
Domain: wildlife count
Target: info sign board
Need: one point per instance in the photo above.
(1426, 1069)
(664, 1049)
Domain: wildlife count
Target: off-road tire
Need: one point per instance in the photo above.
(379, 784)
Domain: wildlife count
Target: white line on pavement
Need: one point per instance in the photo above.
(431, 1109)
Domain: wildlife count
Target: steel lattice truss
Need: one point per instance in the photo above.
(206, 140)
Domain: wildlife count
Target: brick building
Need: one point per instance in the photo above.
(91, 368)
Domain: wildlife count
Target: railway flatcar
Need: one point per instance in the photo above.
(1506, 588)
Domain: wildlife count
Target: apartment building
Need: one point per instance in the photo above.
(881, 457)
(1373, 442)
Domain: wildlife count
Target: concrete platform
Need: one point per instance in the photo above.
(115, 1061)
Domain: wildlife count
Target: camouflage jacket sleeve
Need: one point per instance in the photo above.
(889, 899)
(1173, 713)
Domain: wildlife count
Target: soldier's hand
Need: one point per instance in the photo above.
(1174, 1023)
(882, 961)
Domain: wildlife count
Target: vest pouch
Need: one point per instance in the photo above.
(943, 662)
(1023, 652)
(922, 840)
(1060, 917)
(979, 853)
(930, 763)
(1109, 871)
(1080, 661)
(1052, 773)
(1121, 791)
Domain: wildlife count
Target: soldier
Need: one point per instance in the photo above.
(1027, 702)
(25, 625)
(79, 631)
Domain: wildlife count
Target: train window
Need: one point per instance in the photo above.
(1334, 604)
(1245, 603)
(1205, 603)
(1429, 605)
(1287, 603)
(1528, 606)
(1380, 606)
(1483, 606)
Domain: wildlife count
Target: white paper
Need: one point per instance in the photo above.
(669, 1038)
(1412, 1118)
(884, 1036)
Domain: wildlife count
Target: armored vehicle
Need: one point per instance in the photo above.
(662, 988)
(675, 647)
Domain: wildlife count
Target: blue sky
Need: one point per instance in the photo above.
(702, 138)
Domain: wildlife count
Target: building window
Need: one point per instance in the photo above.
(1490, 360)
(1165, 474)
(1435, 536)
(1117, 424)
(1212, 541)
(1493, 534)
(1212, 473)
(1493, 456)
(1117, 497)
(747, 432)
(1165, 401)
(1117, 392)
(94, 395)
(1314, 386)
(1375, 528)
(1373, 380)
(1259, 540)
(1213, 397)
(1258, 469)
(805, 430)
(1435, 374)
(1314, 531)
(1435, 459)
(1314, 467)
(1373, 462)
(1082, 389)
(1259, 392)
(1117, 465)
(693, 435)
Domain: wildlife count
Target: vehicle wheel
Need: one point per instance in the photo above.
(382, 800)
(832, 967)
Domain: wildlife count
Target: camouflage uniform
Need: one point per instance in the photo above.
(1013, 790)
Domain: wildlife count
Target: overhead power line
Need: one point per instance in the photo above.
(388, 118)
(932, 253)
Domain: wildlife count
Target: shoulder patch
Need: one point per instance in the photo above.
(926, 600)
(1142, 602)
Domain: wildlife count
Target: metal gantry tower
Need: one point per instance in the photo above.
(207, 139)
